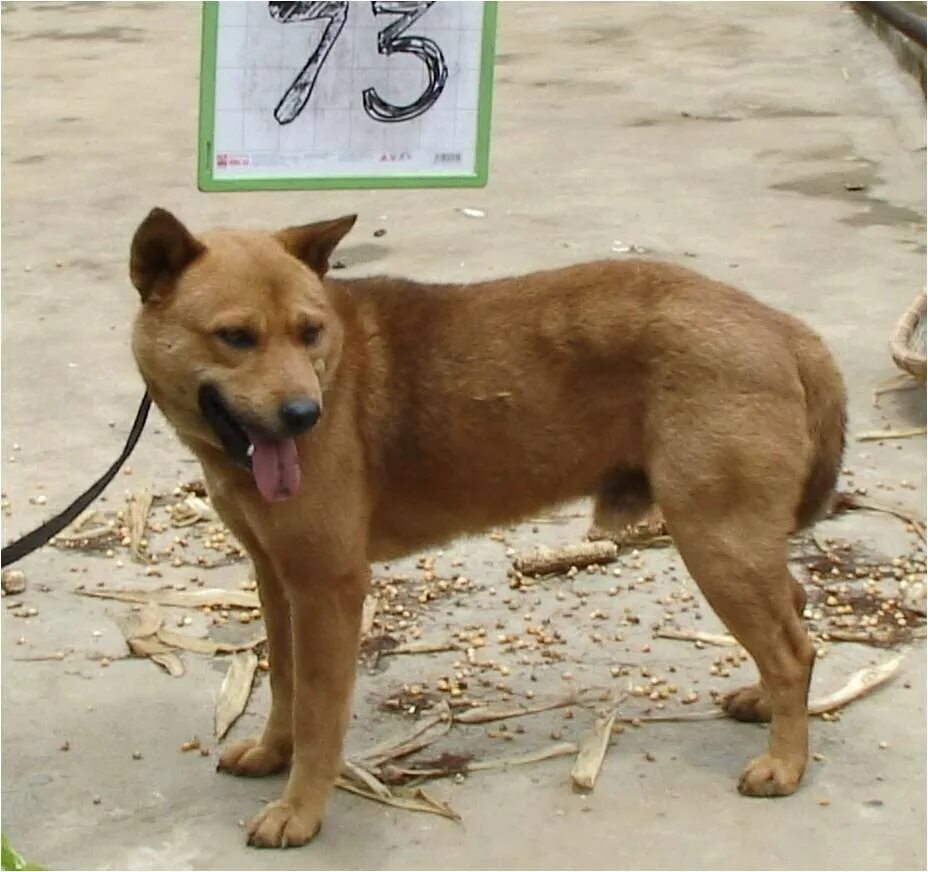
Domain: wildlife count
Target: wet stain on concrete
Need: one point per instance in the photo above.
(84, 6)
(30, 159)
(578, 87)
(753, 113)
(788, 112)
(852, 185)
(610, 35)
(830, 152)
(117, 34)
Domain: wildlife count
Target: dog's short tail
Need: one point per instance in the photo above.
(826, 418)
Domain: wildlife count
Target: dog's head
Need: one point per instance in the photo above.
(237, 337)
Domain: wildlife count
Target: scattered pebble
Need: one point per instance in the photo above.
(12, 581)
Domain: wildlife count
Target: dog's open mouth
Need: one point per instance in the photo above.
(273, 462)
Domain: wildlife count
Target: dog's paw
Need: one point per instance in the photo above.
(283, 825)
(748, 704)
(253, 758)
(770, 776)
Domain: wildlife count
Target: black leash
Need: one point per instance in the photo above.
(38, 537)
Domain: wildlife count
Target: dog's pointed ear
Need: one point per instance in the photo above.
(314, 243)
(161, 249)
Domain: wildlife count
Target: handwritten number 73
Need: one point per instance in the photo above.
(390, 40)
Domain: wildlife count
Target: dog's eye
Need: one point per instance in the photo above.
(236, 338)
(311, 334)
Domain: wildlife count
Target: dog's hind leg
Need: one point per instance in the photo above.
(730, 516)
(752, 703)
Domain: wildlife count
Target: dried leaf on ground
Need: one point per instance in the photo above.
(547, 561)
(844, 501)
(592, 752)
(409, 799)
(355, 772)
(486, 714)
(901, 433)
(901, 382)
(235, 690)
(138, 624)
(433, 726)
(205, 645)
(558, 749)
(368, 614)
(672, 717)
(168, 661)
(880, 637)
(79, 523)
(861, 683)
(422, 648)
(697, 636)
(441, 767)
(192, 599)
(138, 506)
(140, 629)
(192, 510)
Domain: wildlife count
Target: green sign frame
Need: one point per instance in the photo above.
(206, 180)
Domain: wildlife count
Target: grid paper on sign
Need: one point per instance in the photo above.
(257, 57)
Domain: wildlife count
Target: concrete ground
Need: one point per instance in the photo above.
(724, 136)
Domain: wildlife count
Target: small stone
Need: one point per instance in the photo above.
(97, 800)
(65, 746)
(136, 755)
(12, 581)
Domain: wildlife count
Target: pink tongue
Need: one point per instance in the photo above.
(275, 465)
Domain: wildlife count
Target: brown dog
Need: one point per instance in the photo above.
(345, 422)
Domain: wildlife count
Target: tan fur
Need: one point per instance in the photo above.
(449, 409)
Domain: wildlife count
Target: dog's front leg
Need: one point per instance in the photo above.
(271, 751)
(325, 621)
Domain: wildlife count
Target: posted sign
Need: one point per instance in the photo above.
(345, 94)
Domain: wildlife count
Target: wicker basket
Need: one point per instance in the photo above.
(908, 341)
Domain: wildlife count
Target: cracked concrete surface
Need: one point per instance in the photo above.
(717, 135)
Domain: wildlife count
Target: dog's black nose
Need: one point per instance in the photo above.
(299, 415)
